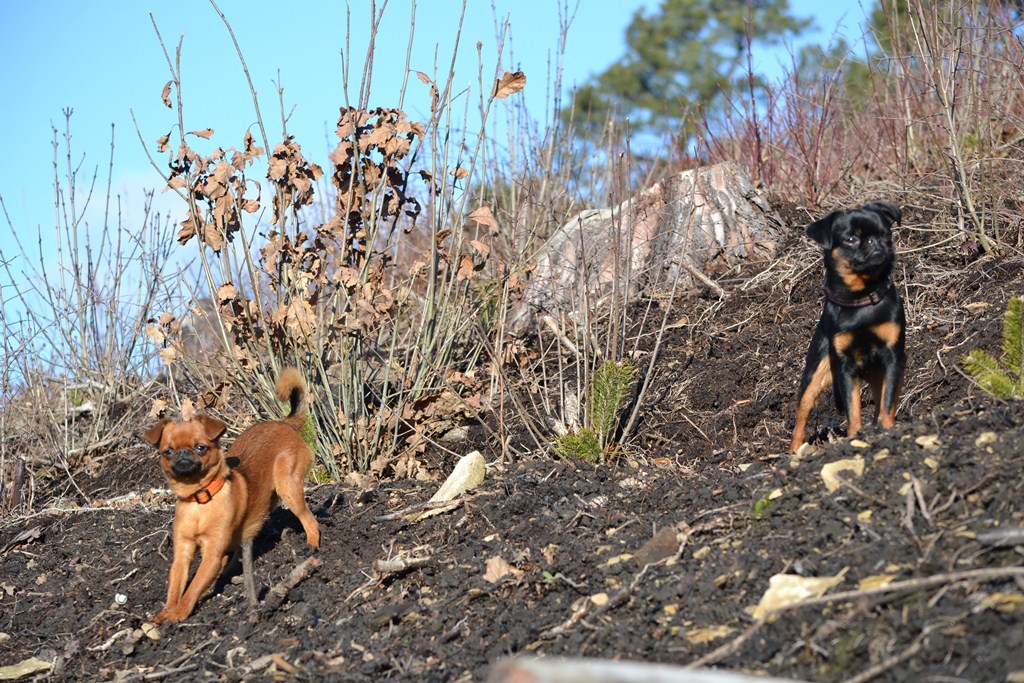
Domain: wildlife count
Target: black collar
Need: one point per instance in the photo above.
(861, 301)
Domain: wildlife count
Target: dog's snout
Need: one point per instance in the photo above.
(185, 463)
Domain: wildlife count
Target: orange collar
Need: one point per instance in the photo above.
(205, 495)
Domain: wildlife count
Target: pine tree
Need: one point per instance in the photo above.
(688, 54)
(1002, 378)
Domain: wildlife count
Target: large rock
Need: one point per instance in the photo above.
(703, 220)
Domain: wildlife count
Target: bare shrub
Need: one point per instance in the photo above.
(377, 302)
(936, 116)
(72, 314)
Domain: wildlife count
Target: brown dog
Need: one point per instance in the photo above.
(222, 508)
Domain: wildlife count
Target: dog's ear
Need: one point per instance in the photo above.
(821, 230)
(214, 427)
(154, 432)
(887, 209)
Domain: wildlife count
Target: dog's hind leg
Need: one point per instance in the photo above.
(247, 577)
(292, 495)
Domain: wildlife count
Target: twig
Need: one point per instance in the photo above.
(885, 665)
(278, 593)
(592, 609)
(400, 563)
(704, 279)
(560, 335)
(991, 574)
(96, 445)
(105, 645)
(156, 675)
(1002, 536)
(723, 651)
(427, 505)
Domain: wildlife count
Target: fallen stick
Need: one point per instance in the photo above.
(400, 563)
(278, 593)
(429, 505)
(923, 583)
(702, 278)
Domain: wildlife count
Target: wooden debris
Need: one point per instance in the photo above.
(400, 563)
(698, 222)
(278, 593)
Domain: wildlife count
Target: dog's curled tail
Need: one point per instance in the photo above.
(291, 387)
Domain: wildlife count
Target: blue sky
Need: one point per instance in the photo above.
(103, 59)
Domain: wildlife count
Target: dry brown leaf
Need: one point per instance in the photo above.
(702, 636)
(226, 292)
(213, 237)
(484, 216)
(787, 589)
(24, 668)
(188, 229)
(435, 98)
(466, 268)
(251, 147)
(204, 133)
(188, 409)
(423, 77)
(156, 333)
(497, 569)
(215, 397)
(481, 248)
(159, 406)
(161, 143)
(509, 83)
(460, 173)
(166, 94)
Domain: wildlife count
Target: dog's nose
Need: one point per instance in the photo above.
(183, 463)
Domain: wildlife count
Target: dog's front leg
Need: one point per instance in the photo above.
(853, 415)
(184, 551)
(887, 390)
(209, 567)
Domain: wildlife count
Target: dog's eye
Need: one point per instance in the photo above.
(200, 448)
(168, 452)
(851, 240)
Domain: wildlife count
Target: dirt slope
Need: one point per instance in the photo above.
(658, 557)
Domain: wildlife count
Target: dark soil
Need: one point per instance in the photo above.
(658, 556)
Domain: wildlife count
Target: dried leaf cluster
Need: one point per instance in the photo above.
(328, 294)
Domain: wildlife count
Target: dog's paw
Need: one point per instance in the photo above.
(172, 615)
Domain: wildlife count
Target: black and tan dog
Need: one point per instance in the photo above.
(861, 334)
(220, 508)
